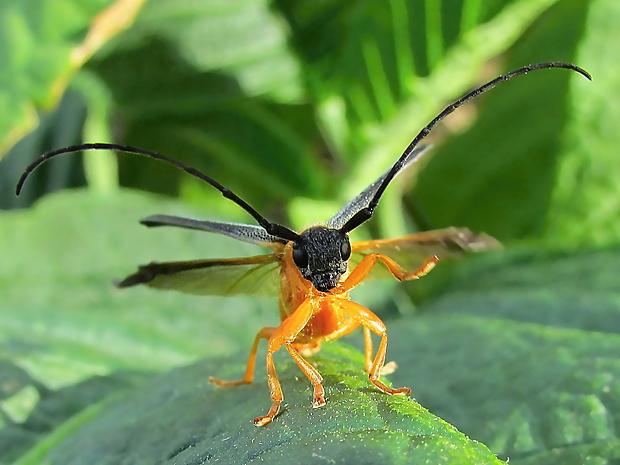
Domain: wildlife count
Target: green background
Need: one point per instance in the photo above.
(296, 106)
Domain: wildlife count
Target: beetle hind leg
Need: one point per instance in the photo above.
(372, 322)
(377, 368)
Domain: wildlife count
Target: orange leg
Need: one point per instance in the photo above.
(285, 334)
(275, 389)
(248, 377)
(369, 320)
(367, 349)
(373, 323)
(313, 375)
(360, 272)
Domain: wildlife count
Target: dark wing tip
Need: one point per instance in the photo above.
(464, 239)
(144, 275)
(153, 221)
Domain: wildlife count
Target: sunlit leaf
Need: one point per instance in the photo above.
(42, 43)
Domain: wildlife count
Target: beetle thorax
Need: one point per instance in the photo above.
(321, 254)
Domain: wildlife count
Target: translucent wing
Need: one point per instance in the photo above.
(258, 276)
(362, 199)
(411, 251)
(243, 232)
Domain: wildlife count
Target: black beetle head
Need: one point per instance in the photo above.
(321, 255)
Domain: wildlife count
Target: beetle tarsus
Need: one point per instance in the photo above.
(404, 391)
(273, 411)
(222, 383)
(319, 396)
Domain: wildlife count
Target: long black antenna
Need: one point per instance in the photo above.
(365, 214)
(271, 228)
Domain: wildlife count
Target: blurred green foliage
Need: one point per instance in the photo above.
(296, 106)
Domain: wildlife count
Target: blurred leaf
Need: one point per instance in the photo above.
(259, 148)
(196, 102)
(374, 87)
(61, 128)
(245, 39)
(53, 411)
(584, 205)
(513, 152)
(42, 43)
(228, 98)
(101, 167)
(372, 58)
(521, 353)
(576, 289)
(65, 253)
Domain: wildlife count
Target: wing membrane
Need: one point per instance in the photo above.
(361, 200)
(259, 275)
(256, 276)
(412, 250)
(243, 232)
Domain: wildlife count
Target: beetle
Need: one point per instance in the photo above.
(312, 267)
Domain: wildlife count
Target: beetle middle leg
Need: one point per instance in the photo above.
(248, 377)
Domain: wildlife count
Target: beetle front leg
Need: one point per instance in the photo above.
(275, 390)
(285, 334)
(363, 268)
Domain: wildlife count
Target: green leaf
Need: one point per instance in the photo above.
(61, 128)
(520, 352)
(84, 330)
(585, 197)
(392, 75)
(241, 38)
(516, 349)
(203, 117)
(42, 43)
(66, 253)
(539, 160)
(228, 99)
(358, 425)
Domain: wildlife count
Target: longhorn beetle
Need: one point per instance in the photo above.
(314, 278)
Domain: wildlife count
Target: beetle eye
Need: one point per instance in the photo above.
(300, 257)
(345, 250)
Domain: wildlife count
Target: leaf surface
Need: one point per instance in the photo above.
(358, 424)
